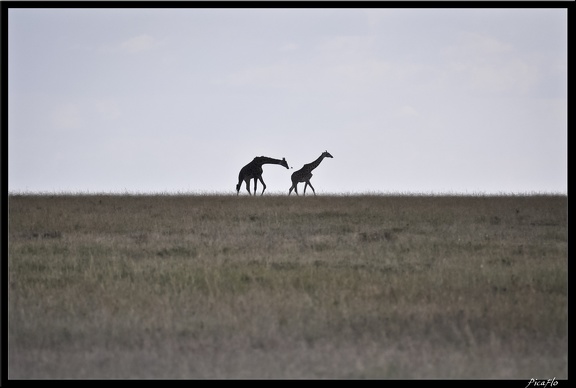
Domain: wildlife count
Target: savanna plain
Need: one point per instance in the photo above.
(278, 287)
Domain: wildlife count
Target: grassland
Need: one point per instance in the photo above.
(327, 287)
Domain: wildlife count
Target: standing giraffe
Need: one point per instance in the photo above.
(305, 174)
(253, 170)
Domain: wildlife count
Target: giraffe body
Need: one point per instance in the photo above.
(253, 170)
(305, 174)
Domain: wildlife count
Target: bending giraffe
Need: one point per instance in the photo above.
(253, 170)
(305, 174)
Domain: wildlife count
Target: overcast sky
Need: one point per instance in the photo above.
(179, 100)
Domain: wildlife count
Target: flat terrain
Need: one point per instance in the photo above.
(334, 287)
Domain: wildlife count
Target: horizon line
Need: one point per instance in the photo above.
(476, 193)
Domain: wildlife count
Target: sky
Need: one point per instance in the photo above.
(169, 100)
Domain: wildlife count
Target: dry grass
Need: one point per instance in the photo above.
(287, 287)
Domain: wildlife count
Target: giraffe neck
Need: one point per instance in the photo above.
(261, 160)
(314, 164)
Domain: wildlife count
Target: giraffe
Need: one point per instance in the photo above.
(305, 174)
(253, 170)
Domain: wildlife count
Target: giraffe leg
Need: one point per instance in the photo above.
(306, 185)
(263, 184)
(239, 185)
(248, 186)
(312, 187)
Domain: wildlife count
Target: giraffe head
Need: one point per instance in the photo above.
(326, 154)
(284, 163)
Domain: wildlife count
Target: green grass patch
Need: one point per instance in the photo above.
(356, 287)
